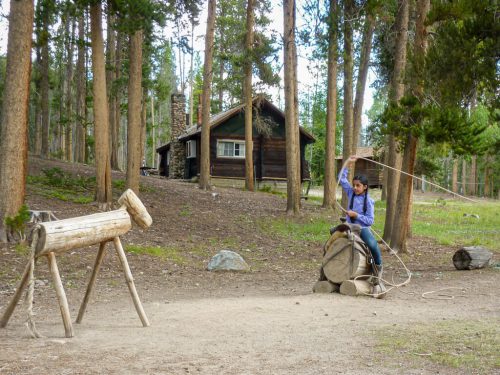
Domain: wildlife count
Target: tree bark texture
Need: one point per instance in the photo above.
(118, 99)
(69, 93)
(101, 127)
(331, 108)
(81, 90)
(205, 98)
(366, 47)
(348, 88)
(14, 125)
(44, 85)
(404, 197)
(134, 112)
(110, 79)
(454, 176)
(394, 160)
(293, 201)
(249, 175)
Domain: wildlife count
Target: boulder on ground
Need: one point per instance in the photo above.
(227, 260)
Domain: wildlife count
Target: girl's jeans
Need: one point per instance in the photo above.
(371, 242)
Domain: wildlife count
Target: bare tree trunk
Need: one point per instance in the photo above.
(14, 125)
(110, 79)
(249, 176)
(69, 95)
(473, 176)
(101, 127)
(329, 195)
(348, 88)
(293, 201)
(153, 131)
(44, 87)
(403, 202)
(487, 176)
(117, 103)
(80, 93)
(205, 101)
(134, 129)
(394, 159)
(465, 190)
(366, 48)
(454, 176)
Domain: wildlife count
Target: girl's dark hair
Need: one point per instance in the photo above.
(364, 180)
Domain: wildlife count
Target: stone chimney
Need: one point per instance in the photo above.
(177, 149)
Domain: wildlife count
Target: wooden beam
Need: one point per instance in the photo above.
(130, 282)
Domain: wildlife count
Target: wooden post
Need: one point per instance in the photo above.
(130, 282)
(17, 295)
(61, 296)
(95, 271)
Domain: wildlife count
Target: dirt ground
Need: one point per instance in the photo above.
(266, 321)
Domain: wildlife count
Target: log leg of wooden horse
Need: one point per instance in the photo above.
(61, 295)
(130, 282)
(90, 287)
(17, 295)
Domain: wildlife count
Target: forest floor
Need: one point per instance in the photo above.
(265, 321)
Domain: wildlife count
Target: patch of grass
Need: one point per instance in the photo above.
(464, 344)
(185, 211)
(22, 249)
(170, 253)
(314, 229)
(448, 225)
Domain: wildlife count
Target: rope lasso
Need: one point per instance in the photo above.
(392, 252)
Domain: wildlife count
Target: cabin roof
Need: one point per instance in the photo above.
(221, 117)
(363, 152)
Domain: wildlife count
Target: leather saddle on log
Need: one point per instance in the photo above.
(345, 255)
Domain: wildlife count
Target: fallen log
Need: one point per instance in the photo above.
(472, 257)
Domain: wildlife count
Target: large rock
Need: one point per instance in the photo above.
(227, 260)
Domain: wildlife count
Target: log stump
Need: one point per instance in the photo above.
(472, 257)
(325, 287)
(356, 288)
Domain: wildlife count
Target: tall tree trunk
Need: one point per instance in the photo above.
(153, 132)
(205, 100)
(348, 87)
(44, 85)
(454, 176)
(69, 95)
(465, 190)
(101, 128)
(110, 79)
(14, 125)
(366, 47)
(134, 129)
(249, 185)
(473, 175)
(117, 105)
(394, 160)
(403, 202)
(329, 195)
(293, 199)
(81, 90)
(191, 79)
(487, 176)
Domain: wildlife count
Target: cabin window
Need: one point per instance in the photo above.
(191, 149)
(231, 149)
(168, 157)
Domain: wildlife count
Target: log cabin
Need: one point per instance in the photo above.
(180, 158)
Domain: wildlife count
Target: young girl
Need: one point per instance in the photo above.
(361, 211)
